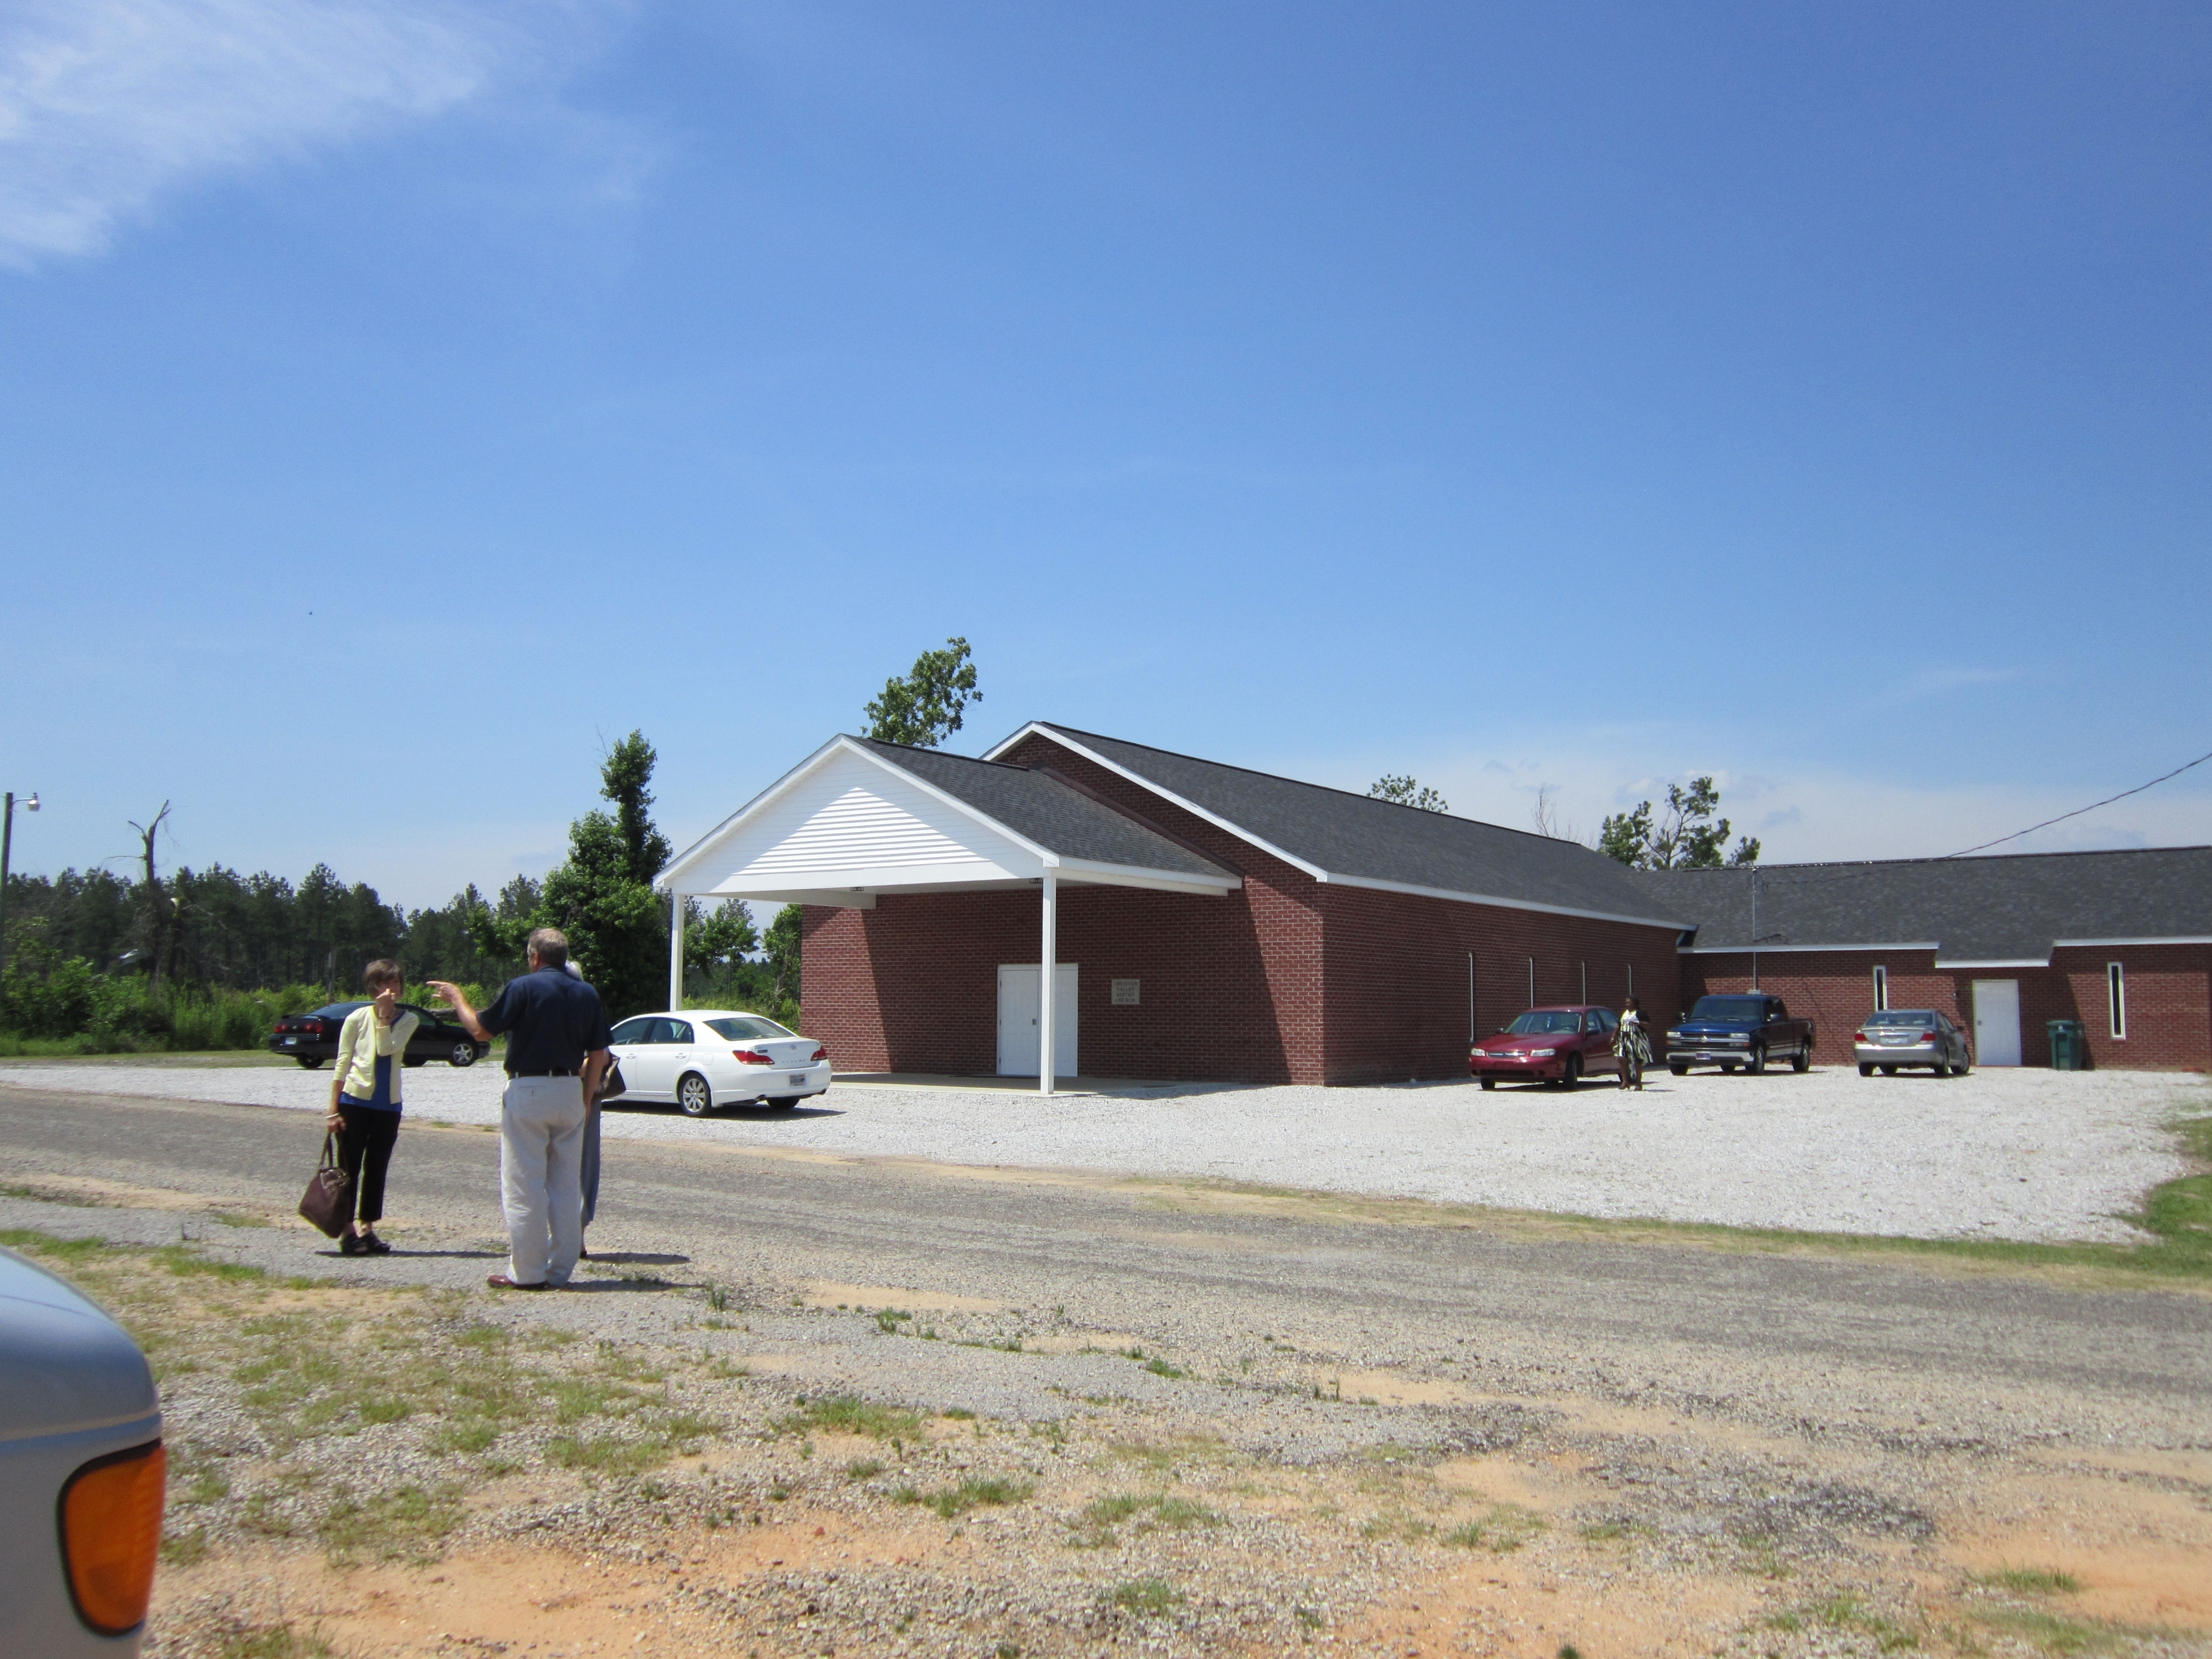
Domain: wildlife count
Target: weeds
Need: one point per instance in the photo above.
(975, 1492)
(1094, 1527)
(2031, 1581)
(847, 1413)
(1153, 1597)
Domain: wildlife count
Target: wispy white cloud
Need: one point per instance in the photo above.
(107, 104)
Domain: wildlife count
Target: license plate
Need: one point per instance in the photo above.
(291, 1042)
(798, 1079)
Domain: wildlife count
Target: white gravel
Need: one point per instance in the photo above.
(2025, 1154)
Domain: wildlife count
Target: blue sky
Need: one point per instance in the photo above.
(398, 401)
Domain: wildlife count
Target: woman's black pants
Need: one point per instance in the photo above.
(365, 1153)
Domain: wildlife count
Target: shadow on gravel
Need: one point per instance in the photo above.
(640, 1259)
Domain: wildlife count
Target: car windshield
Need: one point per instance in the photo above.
(1729, 1008)
(1921, 1018)
(1545, 1021)
(738, 1027)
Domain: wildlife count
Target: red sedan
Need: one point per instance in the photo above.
(1549, 1045)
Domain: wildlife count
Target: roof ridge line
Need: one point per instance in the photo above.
(1304, 783)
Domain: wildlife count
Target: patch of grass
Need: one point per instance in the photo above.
(888, 1320)
(1396, 1524)
(1161, 1368)
(1094, 1527)
(184, 1549)
(847, 1413)
(1503, 1529)
(2031, 1581)
(1844, 1611)
(410, 1523)
(1153, 1597)
(273, 1642)
(976, 1491)
(863, 1468)
(607, 1454)
(2053, 1634)
(958, 1415)
(239, 1219)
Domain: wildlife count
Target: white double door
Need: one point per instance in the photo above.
(1996, 1021)
(1020, 1010)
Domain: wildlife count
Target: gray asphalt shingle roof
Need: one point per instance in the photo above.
(1350, 835)
(1050, 812)
(1982, 910)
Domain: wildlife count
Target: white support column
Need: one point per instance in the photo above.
(1048, 978)
(675, 951)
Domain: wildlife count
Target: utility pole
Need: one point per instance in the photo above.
(7, 848)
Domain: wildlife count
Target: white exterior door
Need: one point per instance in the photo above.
(1019, 1013)
(1996, 1021)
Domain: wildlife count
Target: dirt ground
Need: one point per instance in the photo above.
(884, 1409)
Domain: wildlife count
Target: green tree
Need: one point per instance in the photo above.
(923, 709)
(713, 944)
(782, 945)
(601, 898)
(1407, 792)
(1689, 837)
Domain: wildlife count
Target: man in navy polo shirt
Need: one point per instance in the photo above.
(556, 1051)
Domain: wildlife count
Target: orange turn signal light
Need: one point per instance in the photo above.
(111, 1525)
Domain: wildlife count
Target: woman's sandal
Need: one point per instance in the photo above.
(502, 1282)
(372, 1245)
(349, 1244)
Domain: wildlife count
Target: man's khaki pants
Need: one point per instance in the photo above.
(541, 1153)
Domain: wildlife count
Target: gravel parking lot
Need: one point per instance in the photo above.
(2026, 1155)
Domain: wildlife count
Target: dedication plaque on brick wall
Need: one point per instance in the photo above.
(1125, 992)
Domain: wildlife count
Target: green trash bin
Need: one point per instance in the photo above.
(2067, 1050)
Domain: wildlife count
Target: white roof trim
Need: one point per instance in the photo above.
(1136, 875)
(1165, 794)
(1382, 886)
(1995, 961)
(666, 881)
(1292, 858)
(1772, 950)
(2168, 939)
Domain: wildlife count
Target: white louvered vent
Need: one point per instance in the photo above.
(857, 830)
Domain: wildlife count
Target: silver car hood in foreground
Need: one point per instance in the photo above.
(64, 1366)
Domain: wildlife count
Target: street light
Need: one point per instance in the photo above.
(8, 846)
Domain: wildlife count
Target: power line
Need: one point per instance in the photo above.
(2078, 811)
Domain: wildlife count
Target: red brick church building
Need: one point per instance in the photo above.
(1208, 922)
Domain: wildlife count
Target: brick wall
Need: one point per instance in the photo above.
(1396, 968)
(2169, 997)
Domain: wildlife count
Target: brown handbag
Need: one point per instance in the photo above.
(329, 1202)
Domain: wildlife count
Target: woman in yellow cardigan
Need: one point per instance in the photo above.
(365, 1100)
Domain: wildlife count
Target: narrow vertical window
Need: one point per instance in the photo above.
(1631, 979)
(2116, 987)
(1880, 990)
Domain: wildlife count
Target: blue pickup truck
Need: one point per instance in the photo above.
(1741, 1032)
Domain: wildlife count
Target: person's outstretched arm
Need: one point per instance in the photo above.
(454, 996)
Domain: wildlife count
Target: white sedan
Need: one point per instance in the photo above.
(705, 1057)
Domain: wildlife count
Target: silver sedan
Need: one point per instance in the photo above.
(1910, 1037)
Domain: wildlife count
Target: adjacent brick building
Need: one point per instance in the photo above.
(1214, 922)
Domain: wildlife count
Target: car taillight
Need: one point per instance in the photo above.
(820, 1052)
(1861, 1036)
(751, 1057)
(110, 1516)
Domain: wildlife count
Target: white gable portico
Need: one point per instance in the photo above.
(858, 819)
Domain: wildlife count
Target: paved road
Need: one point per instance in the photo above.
(1794, 1341)
(2015, 1153)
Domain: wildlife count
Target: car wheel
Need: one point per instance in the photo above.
(1889, 1071)
(1866, 1068)
(781, 1103)
(1802, 1059)
(1755, 1062)
(309, 1062)
(1727, 1066)
(465, 1054)
(1961, 1068)
(1678, 1071)
(693, 1094)
(1572, 1073)
(1487, 1082)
